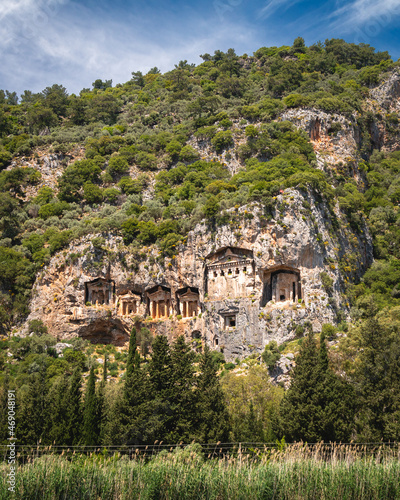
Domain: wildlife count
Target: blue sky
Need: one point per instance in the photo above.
(74, 42)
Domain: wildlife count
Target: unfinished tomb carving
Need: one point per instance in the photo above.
(281, 283)
(229, 272)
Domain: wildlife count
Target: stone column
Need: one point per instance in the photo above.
(185, 304)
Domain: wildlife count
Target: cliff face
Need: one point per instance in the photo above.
(237, 286)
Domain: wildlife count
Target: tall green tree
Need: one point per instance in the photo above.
(91, 417)
(182, 396)
(212, 422)
(318, 405)
(31, 407)
(58, 431)
(74, 409)
(379, 377)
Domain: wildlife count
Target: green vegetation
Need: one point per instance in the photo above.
(184, 474)
(148, 160)
(141, 136)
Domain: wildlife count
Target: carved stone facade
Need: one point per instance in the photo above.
(159, 302)
(189, 302)
(229, 273)
(99, 291)
(230, 277)
(281, 283)
(129, 304)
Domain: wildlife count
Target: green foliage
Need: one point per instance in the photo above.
(252, 402)
(5, 159)
(271, 354)
(117, 165)
(222, 140)
(316, 391)
(75, 176)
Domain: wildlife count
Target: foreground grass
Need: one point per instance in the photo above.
(184, 474)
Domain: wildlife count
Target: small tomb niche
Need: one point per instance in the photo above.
(159, 302)
(229, 317)
(281, 283)
(230, 321)
(129, 303)
(188, 302)
(99, 291)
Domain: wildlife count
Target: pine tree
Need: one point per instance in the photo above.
(212, 416)
(57, 430)
(74, 409)
(318, 405)
(4, 434)
(31, 407)
(379, 378)
(181, 392)
(91, 417)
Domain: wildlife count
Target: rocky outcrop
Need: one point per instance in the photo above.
(237, 287)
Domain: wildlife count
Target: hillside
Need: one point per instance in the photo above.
(240, 202)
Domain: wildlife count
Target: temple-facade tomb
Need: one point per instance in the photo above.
(229, 272)
(129, 303)
(159, 302)
(99, 291)
(189, 303)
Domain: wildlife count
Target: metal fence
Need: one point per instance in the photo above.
(323, 451)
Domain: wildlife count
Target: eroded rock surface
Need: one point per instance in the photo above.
(250, 281)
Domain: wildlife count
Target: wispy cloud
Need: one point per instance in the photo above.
(271, 6)
(74, 44)
(360, 12)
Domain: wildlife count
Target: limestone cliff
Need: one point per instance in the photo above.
(237, 286)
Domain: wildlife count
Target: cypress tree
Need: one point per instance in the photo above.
(181, 392)
(300, 414)
(134, 411)
(90, 431)
(212, 416)
(74, 409)
(160, 367)
(4, 434)
(133, 361)
(318, 405)
(31, 407)
(337, 399)
(105, 369)
(379, 378)
(101, 403)
(58, 431)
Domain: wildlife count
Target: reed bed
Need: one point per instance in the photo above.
(296, 472)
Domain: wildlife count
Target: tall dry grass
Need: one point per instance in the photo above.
(295, 472)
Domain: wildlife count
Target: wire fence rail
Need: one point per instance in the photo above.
(249, 450)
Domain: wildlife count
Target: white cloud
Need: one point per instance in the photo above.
(73, 45)
(272, 6)
(360, 12)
